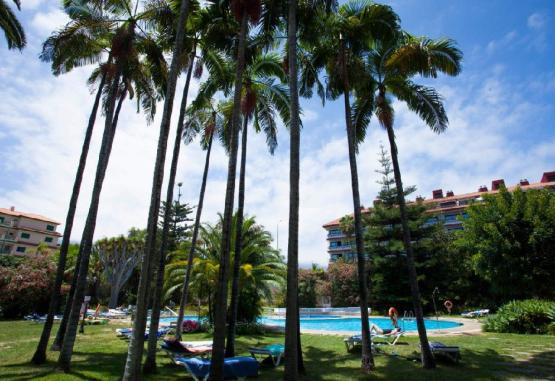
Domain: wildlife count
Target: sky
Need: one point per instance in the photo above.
(500, 109)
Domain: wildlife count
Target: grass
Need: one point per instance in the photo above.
(99, 355)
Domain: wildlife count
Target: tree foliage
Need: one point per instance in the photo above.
(25, 288)
(510, 241)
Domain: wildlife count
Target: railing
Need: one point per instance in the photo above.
(7, 239)
(335, 235)
(339, 248)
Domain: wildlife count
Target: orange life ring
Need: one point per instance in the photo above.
(392, 312)
(448, 304)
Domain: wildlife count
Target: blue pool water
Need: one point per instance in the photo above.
(352, 324)
(343, 324)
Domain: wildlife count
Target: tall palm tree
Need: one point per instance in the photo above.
(129, 46)
(305, 27)
(150, 361)
(243, 11)
(86, 39)
(85, 248)
(13, 31)
(356, 24)
(390, 65)
(136, 344)
(75, 45)
(262, 98)
(201, 117)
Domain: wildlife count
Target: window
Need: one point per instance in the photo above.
(50, 228)
(20, 249)
(25, 235)
(48, 239)
(1, 220)
(450, 218)
(447, 204)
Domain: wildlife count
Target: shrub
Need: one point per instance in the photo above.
(524, 316)
(26, 288)
(250, 329)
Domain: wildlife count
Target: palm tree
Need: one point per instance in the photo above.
(356, 24)
(70, 47)
(262, 269)
(390, 65)
(150, 361)
(128, 75)
(202, 116)
(242, 10)
(136, 347)
(13, 31)
(66, 352)
(262, 98)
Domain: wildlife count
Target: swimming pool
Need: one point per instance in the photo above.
(352, 324)
(342, 323)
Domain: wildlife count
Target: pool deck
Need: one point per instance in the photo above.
(469, 327)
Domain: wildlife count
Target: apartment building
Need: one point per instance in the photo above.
(21, 233)
(447, 209)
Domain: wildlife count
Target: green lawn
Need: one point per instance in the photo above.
(99, 355)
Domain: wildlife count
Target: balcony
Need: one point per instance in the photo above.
(339, 248)
(6, 238)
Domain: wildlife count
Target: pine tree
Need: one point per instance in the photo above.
(384, 236)
(180, 229)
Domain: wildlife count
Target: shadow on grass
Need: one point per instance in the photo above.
(108, 365)
(476, 365)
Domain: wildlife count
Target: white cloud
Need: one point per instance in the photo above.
(45, 22)
(537, 20)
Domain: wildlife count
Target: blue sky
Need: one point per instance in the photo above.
(500, 109)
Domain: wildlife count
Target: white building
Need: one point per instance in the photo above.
(21, 233)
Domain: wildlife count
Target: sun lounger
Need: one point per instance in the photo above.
(273, 352)
(356, 340)
(234, 367)
(127, 332)
(442, 351)
(476, 313)
(175, 349)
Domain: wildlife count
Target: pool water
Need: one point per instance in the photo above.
(341, 324)
(352, 324)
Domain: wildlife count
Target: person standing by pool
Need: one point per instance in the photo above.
(394, 316)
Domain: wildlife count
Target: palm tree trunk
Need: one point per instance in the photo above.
(66, 352)
(292, 329)
(150, 362)
(58, 341)
(40, 354)
(367, 360)
(136, 344)
(234, 303)
(220, 303)
(187, 278)
(428, 361)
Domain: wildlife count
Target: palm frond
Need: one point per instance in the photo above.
(424, 101)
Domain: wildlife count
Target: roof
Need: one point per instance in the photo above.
(464, 196)
(32, 216)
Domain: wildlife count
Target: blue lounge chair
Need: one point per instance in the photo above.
(234, 367)
(441, 351)
(274, 352)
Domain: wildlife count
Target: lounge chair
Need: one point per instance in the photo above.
(390, 339)
(174, 348)
(476, 313)
(442, 351)
(234, 367)
(274, 352)
(127, 332)
(356, 340)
